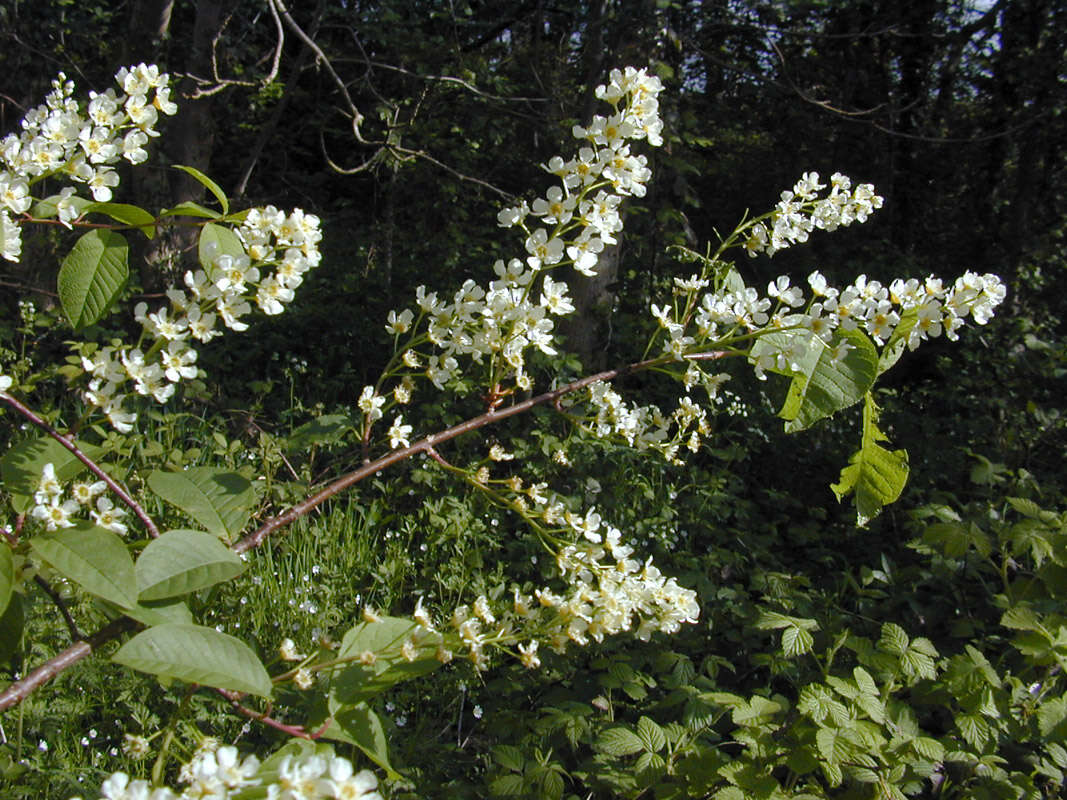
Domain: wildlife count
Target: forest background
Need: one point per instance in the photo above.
(955, 111)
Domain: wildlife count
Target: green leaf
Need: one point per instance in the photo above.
(1022, 618)
(1030, 509)
(551, 785)
(834, 745)
(212, 187)
(893, 640)
(894, 348)
(162, 613)
(7, 576)
(973, 728)
(818, 703)
(773, 620)
(384, 664)
(619, 740)
(796, 642)
(365, 730)
(510, 785)
(130, 215)
(864, 681)
(11, 624)
(651, 735)
(756, 711)
(1052, 718)
(872, 706)
(21, 467)
(326, 429)
(92, 276)
(983, 667)
(928, 748)
(220, 501)
(876, 475)
(215, 241)
(509, 757)
(190, 209)
(196, 654)
(950, 537)
(94, 558)
(650, 767)
(824, 385)
(183, 561)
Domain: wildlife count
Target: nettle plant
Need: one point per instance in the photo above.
(74, 522)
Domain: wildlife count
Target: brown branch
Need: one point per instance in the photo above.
(24, 288)
(217, 83)
(357, 117)
(425, 445)
(68, 443)
(21, 689)
(72, 626)
(297, 731)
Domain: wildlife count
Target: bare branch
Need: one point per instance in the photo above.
(23, 688)
(208, 87)
(357, 117)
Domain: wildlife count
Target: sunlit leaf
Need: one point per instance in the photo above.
(196, 654)
(183, 561)
(94, 558)
(221, 501)
(93, 276)
(875, 475)
(211, 186)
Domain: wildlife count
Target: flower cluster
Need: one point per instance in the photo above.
(607, 592)
(801, 211)
(570, 225)
(274, 252)
(221, 774)
(60, 138)
(647, 427)
(56, 512)
(910, 309)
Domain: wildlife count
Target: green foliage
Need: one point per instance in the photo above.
(876, 475)
(93, 276)
(183, 561)
(828, 662)
(219, 500)
(94, 558)
(196, 654)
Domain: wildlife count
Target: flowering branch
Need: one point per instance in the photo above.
(122, 494)
(427, 444)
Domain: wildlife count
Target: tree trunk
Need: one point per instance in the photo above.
(189, 138)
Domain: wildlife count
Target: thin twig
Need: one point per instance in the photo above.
(217, 82)
(75, 634)
(297, 731)
(68, 443)
(357, 117)
(257, 537)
